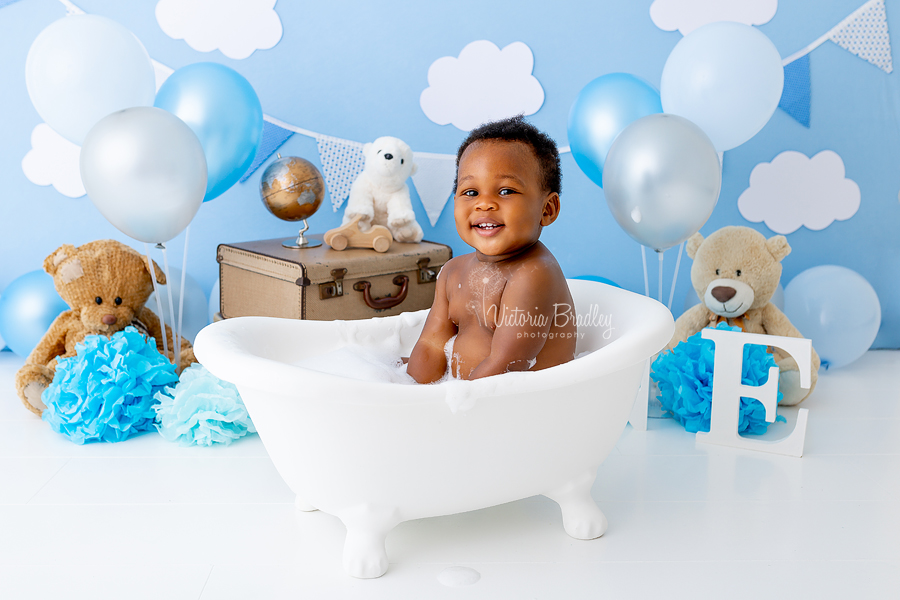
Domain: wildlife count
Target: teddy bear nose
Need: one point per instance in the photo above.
(388, 156)
(109, 319)
(723, 293)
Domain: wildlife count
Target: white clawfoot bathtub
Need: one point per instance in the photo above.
(376, 454)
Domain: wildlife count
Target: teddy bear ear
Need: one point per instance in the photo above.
(366, 147)
(778, 246)
(52, 262)
(160, 276)
(693, 244)
(415, 169)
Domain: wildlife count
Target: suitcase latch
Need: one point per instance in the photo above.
(426, 275)
(333, 289)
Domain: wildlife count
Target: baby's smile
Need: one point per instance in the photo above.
(487, 227)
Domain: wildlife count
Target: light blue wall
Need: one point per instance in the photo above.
(355, 70)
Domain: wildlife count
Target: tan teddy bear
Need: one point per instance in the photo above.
(106, 284)
(735, 272)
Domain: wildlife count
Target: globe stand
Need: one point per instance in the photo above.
(302, 241)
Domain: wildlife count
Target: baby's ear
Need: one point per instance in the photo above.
(551, 209)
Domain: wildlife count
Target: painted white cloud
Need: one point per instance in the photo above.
(688, 15)
(235, 27)
(53, 160)
(795, 191)
(483, 84)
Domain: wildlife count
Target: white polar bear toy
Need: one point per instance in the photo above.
(380, 196)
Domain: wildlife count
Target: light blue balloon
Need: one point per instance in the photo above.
(600, 279)
(727, 78)
(603, 108)
(28, 307)
(837, 309)
(222, 108)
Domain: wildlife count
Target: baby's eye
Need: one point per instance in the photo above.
(506, 192)
(118, 301)
(472, 193)
(738, 272)
(98, 300)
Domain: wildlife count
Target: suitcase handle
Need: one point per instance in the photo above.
(387, 301)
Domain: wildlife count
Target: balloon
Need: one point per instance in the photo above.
(600, 279)
(220, 106)
(603, 108)
(214, 301)
(2, 342)
(28, 307)
(727, 78)
(194, 317)
(144, 169)
(662, 180)
(837, 309)
(84, 67)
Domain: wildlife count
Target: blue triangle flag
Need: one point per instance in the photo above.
(795, 98)
(273, 137)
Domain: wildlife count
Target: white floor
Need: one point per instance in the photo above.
(148, 519)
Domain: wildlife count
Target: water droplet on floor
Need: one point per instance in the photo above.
(458, 576)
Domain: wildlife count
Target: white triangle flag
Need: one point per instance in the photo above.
(865, 34)
(342, 161)
(434, 181)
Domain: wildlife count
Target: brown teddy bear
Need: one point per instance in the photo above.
(735, 272)
(106, 284)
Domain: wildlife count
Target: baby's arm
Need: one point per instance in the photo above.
(427, 362)
(525, 317)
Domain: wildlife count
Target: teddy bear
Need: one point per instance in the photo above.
(379, 195)
(106, 284)
(735, 273)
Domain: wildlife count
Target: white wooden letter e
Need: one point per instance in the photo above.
(728, 389)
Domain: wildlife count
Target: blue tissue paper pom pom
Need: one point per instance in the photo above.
(202, 410)
(685, 379)
(105, 393)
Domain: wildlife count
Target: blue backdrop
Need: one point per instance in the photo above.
(355, 70)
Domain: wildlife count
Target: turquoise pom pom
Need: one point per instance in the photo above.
(202, 410)
(685, 379)
(105, 393)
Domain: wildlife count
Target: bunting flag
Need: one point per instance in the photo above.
(434, 181)
(273, 137)
(795, 99)
(863, 33)
(342, 161)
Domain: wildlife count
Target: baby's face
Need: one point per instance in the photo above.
(500, 204)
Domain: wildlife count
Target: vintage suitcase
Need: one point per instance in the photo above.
(263, 278)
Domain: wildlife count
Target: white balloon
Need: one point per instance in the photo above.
(195, 306)
(145, 170)
(83, 67)
(2, 343)
(214, 301)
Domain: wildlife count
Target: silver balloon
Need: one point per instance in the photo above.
(145, 170)
(661, 180)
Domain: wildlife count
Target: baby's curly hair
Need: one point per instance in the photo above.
(517, 129)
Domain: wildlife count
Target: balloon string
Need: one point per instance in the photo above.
(187, 235)
(675, 277)
(159, 309)
(646, 279)
(176, 351)
(660, 254)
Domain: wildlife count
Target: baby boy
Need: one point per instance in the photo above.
(507, 303)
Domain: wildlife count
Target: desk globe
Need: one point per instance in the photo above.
(292, 188)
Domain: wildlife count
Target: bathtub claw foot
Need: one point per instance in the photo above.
(582, 518)
(301, 504)
(365, 556)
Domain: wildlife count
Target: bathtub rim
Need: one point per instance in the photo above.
(219, 348)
